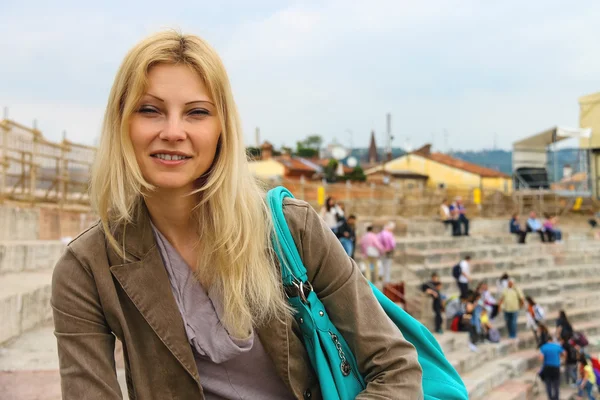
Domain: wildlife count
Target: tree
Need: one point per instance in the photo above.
(330, 171)
(357, 174)
(313, 142)
(307, 152)
(309, 147)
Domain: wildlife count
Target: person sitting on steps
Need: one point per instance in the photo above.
(534, 225)
(448, 219)
(458, 211)
(515, 228)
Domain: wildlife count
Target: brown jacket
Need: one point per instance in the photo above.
(95, 297)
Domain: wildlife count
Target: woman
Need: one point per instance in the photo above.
(564, 329)
(332, 214)
(387, 240)
(181, 268)
(371, 249)
(535, 313)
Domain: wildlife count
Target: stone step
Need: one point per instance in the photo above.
(454, 255)
(536, 272)
(447, 242)
(562, 252)
(496, 266)
(29, 255)
(24, 302)
(510, 360)
(485, 378)
(29, 367)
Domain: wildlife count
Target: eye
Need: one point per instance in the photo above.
(198, 112)
(147, 110)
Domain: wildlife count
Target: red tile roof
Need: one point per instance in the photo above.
(295, 164)
(445, 159)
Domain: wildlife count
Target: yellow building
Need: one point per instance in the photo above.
(446, 171)
(589, 117)
(267, 169)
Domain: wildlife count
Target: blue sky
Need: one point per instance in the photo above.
(472, 68)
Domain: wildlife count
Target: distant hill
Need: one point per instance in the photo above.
(500, 160)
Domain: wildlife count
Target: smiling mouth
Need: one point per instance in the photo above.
(170, 157)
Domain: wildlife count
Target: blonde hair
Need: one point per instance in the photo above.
(233, 219)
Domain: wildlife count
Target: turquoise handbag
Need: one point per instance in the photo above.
(329, 354)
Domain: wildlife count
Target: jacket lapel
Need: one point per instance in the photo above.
(146, 283)
(275, 340)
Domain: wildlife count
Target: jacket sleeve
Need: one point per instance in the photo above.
(85, 343)
(385, 359)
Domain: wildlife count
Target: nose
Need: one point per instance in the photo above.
(173, 131)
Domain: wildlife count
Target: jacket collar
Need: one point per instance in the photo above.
(144, 278)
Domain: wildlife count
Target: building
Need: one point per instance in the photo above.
(443, 170)
(401, 179)
(589, 117)
(269, 167)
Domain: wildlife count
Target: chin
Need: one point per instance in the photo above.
(172, 183)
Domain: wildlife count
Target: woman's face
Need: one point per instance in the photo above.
(175, 128)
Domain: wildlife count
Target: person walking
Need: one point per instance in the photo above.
(181, 266)
(332, 214)
(387, 240)
(372, 249)
(564, 329)
(511, 302)
(462, 274)
(587, 379)
(571, 358)
(434, 289)
(347, 234)
(551, 353)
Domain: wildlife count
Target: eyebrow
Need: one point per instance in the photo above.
(188, 103)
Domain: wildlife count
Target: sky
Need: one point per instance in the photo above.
(464, 75)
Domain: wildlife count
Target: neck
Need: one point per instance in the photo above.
(170, 212)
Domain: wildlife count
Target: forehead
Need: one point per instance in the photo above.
(176, 82)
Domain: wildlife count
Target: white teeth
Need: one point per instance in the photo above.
(170, 157)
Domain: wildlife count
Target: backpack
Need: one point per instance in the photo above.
(494, 335)
(455, 327)
(538, 313)
(456, 271)
(580, 339)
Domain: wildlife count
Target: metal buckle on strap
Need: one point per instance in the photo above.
(299, 289)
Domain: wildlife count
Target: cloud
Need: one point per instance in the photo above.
(303, 67)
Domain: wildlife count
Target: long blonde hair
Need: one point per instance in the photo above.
(233, 219)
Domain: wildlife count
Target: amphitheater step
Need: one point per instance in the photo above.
(537, 276)
(29, 367)
(24, 302)
(29, 255)
(487, 377)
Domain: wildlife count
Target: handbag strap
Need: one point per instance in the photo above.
(293, 272)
